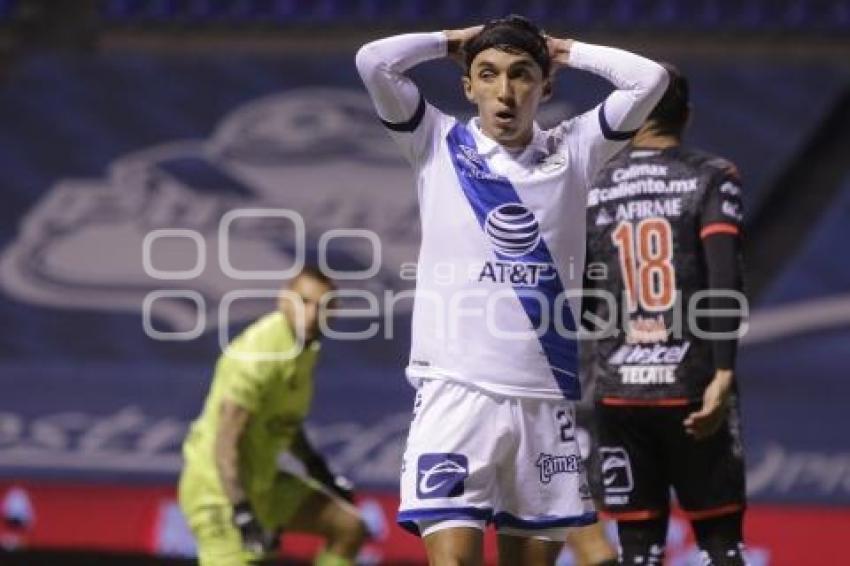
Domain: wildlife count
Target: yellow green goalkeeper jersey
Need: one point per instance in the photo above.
(257, 373)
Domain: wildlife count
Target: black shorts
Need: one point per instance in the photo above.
(588, 440)
(643, 451)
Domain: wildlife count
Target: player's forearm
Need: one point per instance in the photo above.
(315, 464)
(317, 467)
(382, 64)
(724, 378)
(233, 420)
(398, 53)
(722, 261)
(640, 82)
(303, 450)
(227, 463)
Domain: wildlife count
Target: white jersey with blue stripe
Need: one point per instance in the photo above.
(503, 233)
(494, 264)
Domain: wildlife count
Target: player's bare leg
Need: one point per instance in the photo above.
(590, 546)
(457, 546)
(336, 521)
(527, 551)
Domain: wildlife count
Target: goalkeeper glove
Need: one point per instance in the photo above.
(254, 538)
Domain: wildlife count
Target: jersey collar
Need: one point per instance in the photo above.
(313, 346)
(488, 147)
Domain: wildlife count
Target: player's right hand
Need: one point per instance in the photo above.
(254, 538)
(715, 405)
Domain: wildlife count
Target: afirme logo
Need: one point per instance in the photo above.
(512, 229)
(441, 475)
(550, 465)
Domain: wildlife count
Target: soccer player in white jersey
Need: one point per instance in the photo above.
(493, 349)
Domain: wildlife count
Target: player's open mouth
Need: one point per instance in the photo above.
(504, 116)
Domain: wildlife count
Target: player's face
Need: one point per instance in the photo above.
(507, 88)
(311, 294)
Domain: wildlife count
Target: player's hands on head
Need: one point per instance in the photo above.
(457, 39)
(715, 406)
(254, 538)
(559, 51)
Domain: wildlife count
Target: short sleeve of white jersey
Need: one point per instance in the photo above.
(586, 146)
(418, 141)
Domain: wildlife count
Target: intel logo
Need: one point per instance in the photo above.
(512, 229)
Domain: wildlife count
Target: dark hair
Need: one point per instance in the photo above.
(670, 115)
(513, 33)
(314, 272)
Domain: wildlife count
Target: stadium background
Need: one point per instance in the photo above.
(123, 117)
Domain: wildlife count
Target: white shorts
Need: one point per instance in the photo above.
(473, 457)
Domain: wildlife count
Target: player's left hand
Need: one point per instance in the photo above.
(254, 538)
(559, 51)
(715, 405)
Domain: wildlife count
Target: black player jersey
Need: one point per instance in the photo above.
(648, 212)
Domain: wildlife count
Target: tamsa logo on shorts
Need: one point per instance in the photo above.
(550, 465)
(441, 475)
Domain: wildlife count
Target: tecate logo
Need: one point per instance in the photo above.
(512, 229)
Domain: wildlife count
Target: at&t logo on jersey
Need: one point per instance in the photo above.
(441, 475)
(550, 465)
(514, 232)
(517, 273)
(512, 229)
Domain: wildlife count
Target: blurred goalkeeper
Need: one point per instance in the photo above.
(235, 498)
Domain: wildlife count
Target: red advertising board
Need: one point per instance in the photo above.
(146, 519)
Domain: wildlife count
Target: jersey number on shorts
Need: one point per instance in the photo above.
(646, 253)
(565, 423)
